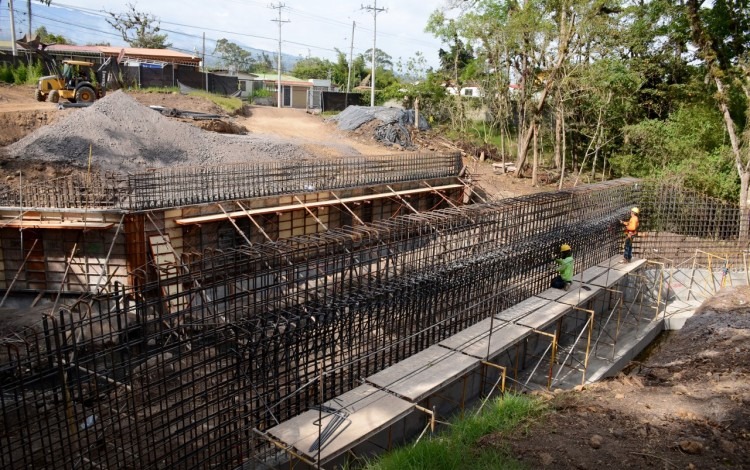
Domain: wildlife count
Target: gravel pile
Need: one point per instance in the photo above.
(127, 137)
(393, 123)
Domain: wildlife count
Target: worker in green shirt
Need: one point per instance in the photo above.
(565, 265)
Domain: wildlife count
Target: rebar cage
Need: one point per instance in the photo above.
(171, 187)
(179, 371)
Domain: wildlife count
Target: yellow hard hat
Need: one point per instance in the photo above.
(565, 247)
(635, 209)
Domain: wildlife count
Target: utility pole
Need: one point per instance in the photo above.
(375, 10)
(28, 8)
(205, 70)
(351, 53)
(281, 22)
(12, 29)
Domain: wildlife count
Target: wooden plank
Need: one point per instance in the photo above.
(579, 295)
(551, 294)
(294, 207)
(521, 309)
(370, 411)
(545, 315)
(616, 263)
(504, 335)
(609, 278)
(424, 373)
(60, 225)
(589, 274)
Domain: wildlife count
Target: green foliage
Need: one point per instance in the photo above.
(430, 92)
(6, 73)
(138, 29)
(21, 74)
(262, 93)
(50, 38)
(457, 447)
(162, 90)
(234, 56)
(313, 67)
(688, 146)
(262, 64)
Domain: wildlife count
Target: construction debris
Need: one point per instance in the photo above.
(392, 127)
(208, 121)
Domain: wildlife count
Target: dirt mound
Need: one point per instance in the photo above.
(126, 136)
(685, 406)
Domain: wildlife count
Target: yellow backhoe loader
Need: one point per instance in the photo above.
(78, 81)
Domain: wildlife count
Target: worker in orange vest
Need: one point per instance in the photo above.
(631, 230)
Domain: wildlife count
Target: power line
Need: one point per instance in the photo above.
(103, 14)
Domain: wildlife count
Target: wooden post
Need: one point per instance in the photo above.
(416, 114)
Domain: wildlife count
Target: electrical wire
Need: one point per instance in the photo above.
(103, 14)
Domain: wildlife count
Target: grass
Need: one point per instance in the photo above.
(162, 89)
(459, 447)
(231, 105)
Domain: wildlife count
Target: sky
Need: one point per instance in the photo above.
(314, 28)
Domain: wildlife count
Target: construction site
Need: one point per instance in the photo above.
(303, 312)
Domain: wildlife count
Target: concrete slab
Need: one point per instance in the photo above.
(677, 312)
(486, 345)
(629, 346)
(424, 373)
(370, 411)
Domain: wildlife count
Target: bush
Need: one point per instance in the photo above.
(262, 93)
(6, 73)
(20, 72)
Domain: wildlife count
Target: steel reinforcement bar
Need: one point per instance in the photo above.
(172, 187)
(178, 373)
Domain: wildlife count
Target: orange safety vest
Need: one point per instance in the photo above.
(632, 226)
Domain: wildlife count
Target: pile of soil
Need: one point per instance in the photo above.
(125, 136)
(685, 406)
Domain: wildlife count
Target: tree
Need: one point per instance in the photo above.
(49, 38)
(262, 64)
(233, 56)
(312, 67)
(138, 29)
(454, 63)
(28, 8)
(382, 59)
(721, 33)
